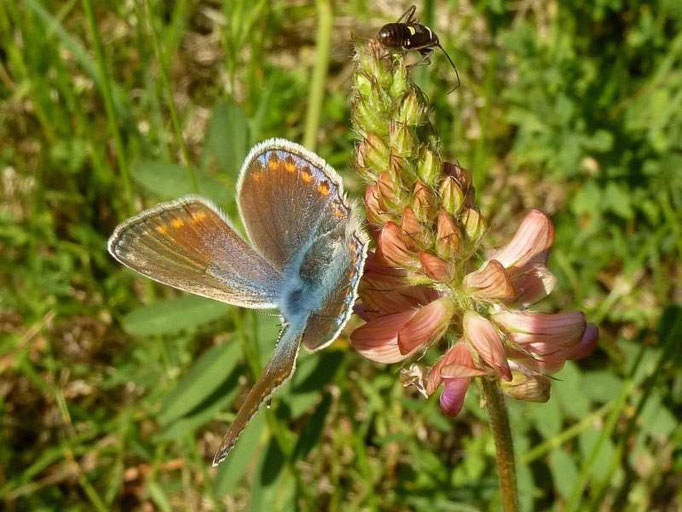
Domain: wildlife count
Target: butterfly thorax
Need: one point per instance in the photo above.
(299, 298)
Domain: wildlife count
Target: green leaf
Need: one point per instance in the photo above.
(602, 462)
(169, 181)
(237, 463)
(159, 497)
(312, 431)
(601, 386)
(547, 418)
(227, 137)
(207, 410)
(203, 378)
(656, 419)
(564, 471)
(173, 315)
(568, 391)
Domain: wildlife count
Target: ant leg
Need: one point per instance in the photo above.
(408, 15)
(426, 58)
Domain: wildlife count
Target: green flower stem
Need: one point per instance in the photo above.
(504, 447)
(325, 18)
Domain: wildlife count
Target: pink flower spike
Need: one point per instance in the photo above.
(378, 339)
(486, 340)
(491, 282)
(587, 343)
(560, 330)
(452, 397)
(535, 235)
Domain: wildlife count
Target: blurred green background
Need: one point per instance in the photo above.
(115, 391)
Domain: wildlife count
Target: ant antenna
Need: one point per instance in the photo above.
(453, 67)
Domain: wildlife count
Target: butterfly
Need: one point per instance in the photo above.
(305, 255)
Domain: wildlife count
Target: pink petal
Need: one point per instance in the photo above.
(484, 337)
(458, 371)
(533, 282)
(491, 282)
(378, 339)
(458, 354)
(427, 325)
(535, 235)
(453, 395)
(435, 267)
(587, 343)
(562, 330)
(385, 290)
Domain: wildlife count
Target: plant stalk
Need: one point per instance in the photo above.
(504, 447)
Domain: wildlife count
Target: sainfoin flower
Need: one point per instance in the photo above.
(425, 281)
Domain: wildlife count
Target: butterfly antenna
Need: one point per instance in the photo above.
(453, 67)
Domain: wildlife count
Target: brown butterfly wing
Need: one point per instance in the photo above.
(189, 244)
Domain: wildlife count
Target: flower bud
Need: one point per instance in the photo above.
(429, 167)
(401, 139)
(375, 215)
(530, 388)
(451, 195)
(401, 169)
(414, 229)
(435, 267)
(373, 154)
(363, 84)
(401, 82)
(391, 194)
(369, 118)
(424, 202)
(448, 237)
(463, 179)
(474, 225)
(410, 112)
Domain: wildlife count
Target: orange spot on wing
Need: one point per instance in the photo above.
(323, 188)
(339, 213)
(306, 175)
(289, 165)
(198, 216)
(177, 223)
(274, 163)
(162, 229)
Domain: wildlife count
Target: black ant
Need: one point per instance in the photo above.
(410, 35)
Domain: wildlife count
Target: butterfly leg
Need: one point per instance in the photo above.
(278, 370)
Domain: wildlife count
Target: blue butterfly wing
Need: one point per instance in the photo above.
(339, 283)
(286, 196)
(296, 215)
